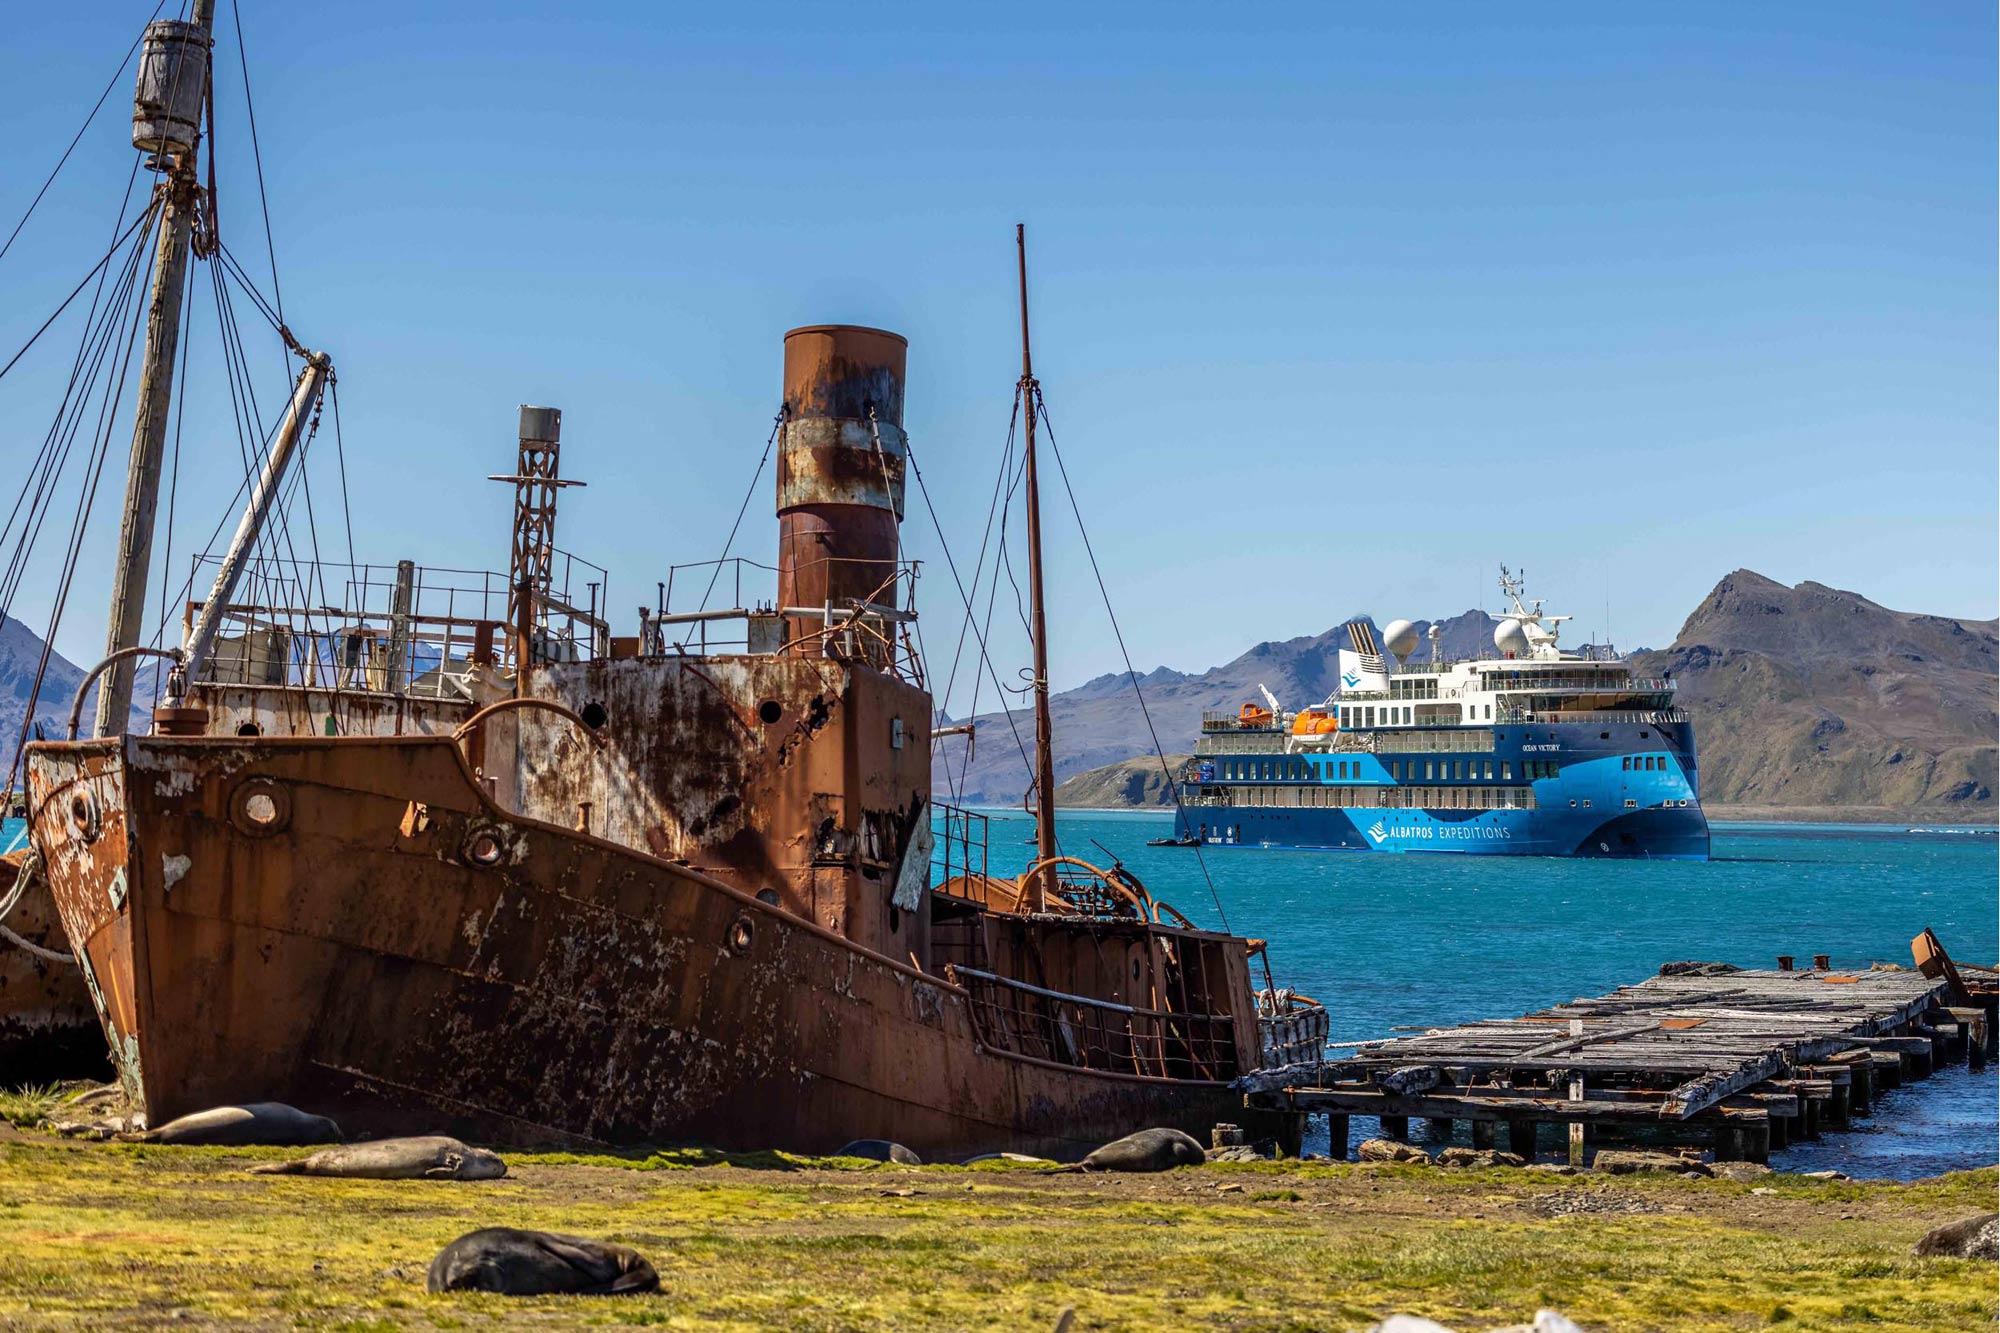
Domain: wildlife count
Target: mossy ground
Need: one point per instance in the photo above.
(129, 1236)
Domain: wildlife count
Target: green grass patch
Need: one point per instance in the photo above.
(130, 1237)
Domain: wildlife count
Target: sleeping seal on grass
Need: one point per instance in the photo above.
(539, 1263)
(1148, 1150)
(270, 1124)
(424, 1157)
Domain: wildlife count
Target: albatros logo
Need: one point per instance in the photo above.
(1377, 832)
(1350, 680)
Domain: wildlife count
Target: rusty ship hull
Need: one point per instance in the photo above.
(352, 926)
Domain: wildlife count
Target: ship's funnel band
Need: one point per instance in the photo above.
(827, 461)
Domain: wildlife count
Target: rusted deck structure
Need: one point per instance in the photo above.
(1738, 1061)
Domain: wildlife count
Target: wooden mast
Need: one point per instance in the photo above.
(1045, 766)
(178, 193)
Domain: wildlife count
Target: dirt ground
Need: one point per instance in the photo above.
(122, 1236)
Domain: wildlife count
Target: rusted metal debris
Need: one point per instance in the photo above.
(672, 897)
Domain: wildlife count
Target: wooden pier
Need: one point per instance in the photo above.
(1737, 1061)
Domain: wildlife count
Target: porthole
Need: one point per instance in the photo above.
(770, 711)
(83, 815)
(249, 729)
(740, 935)
(482, 847)
(768, 897)
(593, 715)
(260, 807)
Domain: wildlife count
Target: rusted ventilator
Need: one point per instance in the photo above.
(841, 457)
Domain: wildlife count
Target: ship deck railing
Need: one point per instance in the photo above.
(393, 629)
(1077, 1031)
(1664, 717)
(875, 629)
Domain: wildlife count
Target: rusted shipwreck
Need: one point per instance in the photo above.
(447, 854)
(576, 886)
(441, 851)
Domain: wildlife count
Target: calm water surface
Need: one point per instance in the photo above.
(1389, 941)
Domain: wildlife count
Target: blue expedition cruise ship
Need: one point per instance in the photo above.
(1529, 752)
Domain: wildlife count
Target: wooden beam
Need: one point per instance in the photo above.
(1699, 1094)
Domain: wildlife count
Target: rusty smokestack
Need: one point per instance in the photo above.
(840, 477)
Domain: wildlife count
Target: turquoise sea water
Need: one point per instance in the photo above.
(1388, 941)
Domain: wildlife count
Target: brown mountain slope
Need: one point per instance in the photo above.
(1813, 696)
(1135, 783)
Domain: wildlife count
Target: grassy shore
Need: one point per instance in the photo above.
(130, 1236)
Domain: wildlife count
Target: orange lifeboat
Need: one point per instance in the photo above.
(1250, 715)
(1314, 722)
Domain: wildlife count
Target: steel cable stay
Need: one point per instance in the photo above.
(86, 499)
(92, 352)
(966, 600)
(1041, 407)
(958, 651)
(45, 473)
(117, 76)
(777, 424)
(45, 457)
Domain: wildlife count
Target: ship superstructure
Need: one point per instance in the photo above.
(1530, 751)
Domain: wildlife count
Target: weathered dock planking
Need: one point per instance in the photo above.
(1737, 1061)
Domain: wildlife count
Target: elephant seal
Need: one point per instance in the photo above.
(1147, 1150)
(539, 1263)
(425, 1157)
(881, 1150)
(254, 1123)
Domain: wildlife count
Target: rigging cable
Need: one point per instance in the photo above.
(777, 422)
(107, 420)
(47, 467)
(81, 130)
(1042, 407)
(952, 565)
(257, 155)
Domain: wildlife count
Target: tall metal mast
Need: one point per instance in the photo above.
(1045, 764)
(166, 121)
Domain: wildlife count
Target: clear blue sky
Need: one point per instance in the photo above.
(1335, 310)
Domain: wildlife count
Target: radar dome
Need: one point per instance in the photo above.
(1400, 638)
(1510, 638)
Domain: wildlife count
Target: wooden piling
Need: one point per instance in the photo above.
(1336, 1135)
(1485, 1133)
(1396, 1127)
(1521, 1139)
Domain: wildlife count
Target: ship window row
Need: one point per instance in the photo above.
(1374, 798)
(1646, 763)
(1435, 715)
(1432, 742)
(1451, 770)
(1540, 770)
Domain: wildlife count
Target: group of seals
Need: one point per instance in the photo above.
(537, 1263)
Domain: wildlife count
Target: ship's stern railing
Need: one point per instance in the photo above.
(1014, 1018)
